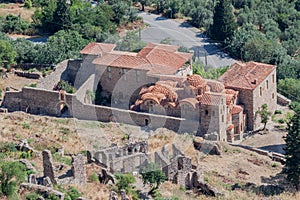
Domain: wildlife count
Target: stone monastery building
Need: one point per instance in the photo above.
(153, 85)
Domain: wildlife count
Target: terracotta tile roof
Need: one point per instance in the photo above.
(123, 61)
(165, 59)
(167, 103)
(95, 48)
(211, 98)
(246, 75)
(236, 109)
(231, 91)
(230, 127)
(156, 58)
(229, 98)
(215, 86)
(150, 96)
(187, 56)
(193, 101)
(196, 80)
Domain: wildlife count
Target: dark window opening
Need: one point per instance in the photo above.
(146, 122)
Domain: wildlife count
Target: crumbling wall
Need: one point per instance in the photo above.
(129, 158)
(79, 169)
(48, 165)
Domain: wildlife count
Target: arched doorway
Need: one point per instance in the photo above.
(63, 110)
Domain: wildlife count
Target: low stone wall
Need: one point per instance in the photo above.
(282, 100)
(31, 75)
(274, 156)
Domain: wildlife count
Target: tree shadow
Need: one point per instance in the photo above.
(273, 185)
(278, 148)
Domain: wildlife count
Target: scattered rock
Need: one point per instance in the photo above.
(208, 147)
(113, 195)
(105, 177)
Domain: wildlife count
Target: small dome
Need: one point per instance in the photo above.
(196, 80)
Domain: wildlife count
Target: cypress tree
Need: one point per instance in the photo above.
(224, 23)
(292, 150)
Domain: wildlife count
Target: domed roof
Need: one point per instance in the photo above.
(196, 80)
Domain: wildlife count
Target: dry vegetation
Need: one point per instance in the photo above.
(17, 10)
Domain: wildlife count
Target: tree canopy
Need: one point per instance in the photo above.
(292, 150)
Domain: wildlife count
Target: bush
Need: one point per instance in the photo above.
(281, 121)
(73, 193)
(94, 177)
(11, 176)
(28, 4)
(32, 196)
(26, 125)
(278, 112)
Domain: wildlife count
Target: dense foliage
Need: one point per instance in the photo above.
(292, 150)
(12, 174)
(153, 176)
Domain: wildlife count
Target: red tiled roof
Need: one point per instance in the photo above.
(196, 80)
(210, 98)
(95, 48)
(193, 101)
(230, 127)
(229, 98)
(150, 96)
(231, 91)
(236, 109)
(165, 59)
(124, 61)
(156, 58)
(246, 75)
(215, 86)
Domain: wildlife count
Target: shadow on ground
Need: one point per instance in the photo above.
(278, 148)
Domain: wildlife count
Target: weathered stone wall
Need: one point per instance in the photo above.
(252, 100)
(48, 166)
(78, 169)
(129, 158)
(31, 75)
(73, 67)
(59, 73)
(123, 85)
(265, 93)
(33, 100)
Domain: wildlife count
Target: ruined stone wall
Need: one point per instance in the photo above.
(129, 158)
(33, 100)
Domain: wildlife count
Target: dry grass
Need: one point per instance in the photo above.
(16, 9)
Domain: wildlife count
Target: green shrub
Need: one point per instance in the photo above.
(32, 196)
(74, 193)
(278, 112)
(26, 125)
(11, 176)
(28, 4)
(281, 121)
(64, 159)
(26, 155)
(94, 177)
